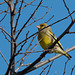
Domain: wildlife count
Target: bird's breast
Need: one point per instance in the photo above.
(45, 40)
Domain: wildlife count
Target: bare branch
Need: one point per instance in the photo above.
(47, 26)
(44, 53)
(72, 69)
(14, 38)
(6, 37)
(6, 11)
(22, 57)
(25, 55)
(28, 20)
(2, 3)
(4, 58)
(70, 32)
(18, 14)
(65, 67)
(9, 67)
(36, 5)
(30, 43)
(49, 67)
(15, 5)
(23, 44)
(62, 19)
(6, 32)
(49, 19)
(40, 18)
(35, 51)
(17, 62)
(3, 17)
(68, 10)
(13, 44)
(31, 63)
(6, 1)
(44, 69)
(25, 6)
(49, 60)
(10, 4)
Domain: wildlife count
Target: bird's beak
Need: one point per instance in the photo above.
(38, 26)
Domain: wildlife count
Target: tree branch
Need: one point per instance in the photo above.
(4, 58)
(49, 60)
(18, 14)
(28, 20)
(72, 69)
(47, 26)
(50, 67)
(65, 67)
(67, 10)
(44, 53)
(6, 32)
(44, 69)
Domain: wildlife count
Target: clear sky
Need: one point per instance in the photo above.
(59, 11)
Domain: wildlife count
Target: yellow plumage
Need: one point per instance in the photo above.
(46, 38)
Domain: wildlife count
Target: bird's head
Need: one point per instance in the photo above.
(41, 26)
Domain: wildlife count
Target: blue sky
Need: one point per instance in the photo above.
(59, 11)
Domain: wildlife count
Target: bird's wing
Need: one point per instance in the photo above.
(54, 37)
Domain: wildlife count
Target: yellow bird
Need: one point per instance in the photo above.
(46, 38)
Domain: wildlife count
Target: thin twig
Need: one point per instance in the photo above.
(15, 4)
(47, 26)
(68, 10)
(23, 44)
(30, 43)
(35, 51)
(24, 56)
(40, 18)
(5, 11)
(49, 19)
(44, 53)
(44, 69)
(36, 5)
(25, 6)
(31, 63)
(18, 14)
(6, 61)
(6, 37)
(49, 60)
(3, 17)
(2, 3)
(4, 58)
(21, 49)
(6, 32)
(65, 67)
(72, 69)
(28, 19)
(50, 67)
(70, 32)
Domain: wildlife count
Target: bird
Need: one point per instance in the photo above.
(46, 38)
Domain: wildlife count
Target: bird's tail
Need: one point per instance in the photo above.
(59, 50)
(67, 55)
